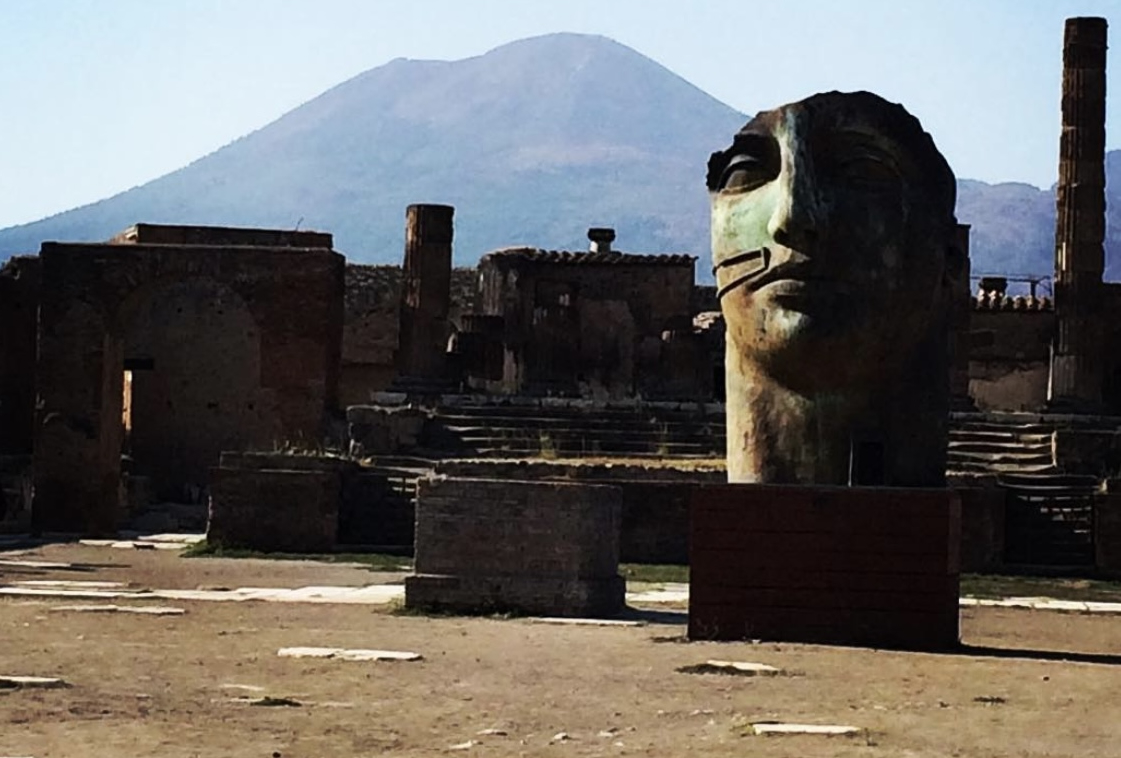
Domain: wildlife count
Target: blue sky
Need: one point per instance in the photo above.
(97, 96)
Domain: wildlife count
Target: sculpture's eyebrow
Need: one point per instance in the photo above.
(868, 141)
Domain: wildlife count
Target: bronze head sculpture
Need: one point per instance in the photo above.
(834, 250)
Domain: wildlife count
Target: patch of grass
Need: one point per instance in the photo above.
(371, 561)
(1060, 588)
(653, 573)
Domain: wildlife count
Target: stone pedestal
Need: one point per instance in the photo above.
(851, 566)
(275, 503)
(544, 548)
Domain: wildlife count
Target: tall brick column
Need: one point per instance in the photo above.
(427, 292)
(1076, 365)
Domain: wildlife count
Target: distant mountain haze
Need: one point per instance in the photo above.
(532, 143)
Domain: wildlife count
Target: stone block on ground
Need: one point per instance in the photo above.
(539, 548)
(274, 510)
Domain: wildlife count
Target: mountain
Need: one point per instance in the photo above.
(532, 142)
(1014, 224)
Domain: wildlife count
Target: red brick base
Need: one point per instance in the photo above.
(851, 566)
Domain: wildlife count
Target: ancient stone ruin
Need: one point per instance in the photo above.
(178, 375)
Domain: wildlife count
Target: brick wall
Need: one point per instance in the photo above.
(535, 547)
(275, 503)
(863, 566)
(93, 313)
(19, 310)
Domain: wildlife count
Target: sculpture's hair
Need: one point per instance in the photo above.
(931, 175)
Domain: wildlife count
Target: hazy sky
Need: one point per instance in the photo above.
(97, 96)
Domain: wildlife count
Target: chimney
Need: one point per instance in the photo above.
(601, 238)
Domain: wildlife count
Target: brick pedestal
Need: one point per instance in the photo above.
(547, 548)
(851, 566)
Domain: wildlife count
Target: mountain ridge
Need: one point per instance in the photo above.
(532, 142)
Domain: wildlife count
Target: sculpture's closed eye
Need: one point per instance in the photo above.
(754, 163)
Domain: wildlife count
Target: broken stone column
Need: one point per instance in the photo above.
(427, 292)
(1076, 366)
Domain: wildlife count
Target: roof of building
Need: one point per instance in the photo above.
(538, 255)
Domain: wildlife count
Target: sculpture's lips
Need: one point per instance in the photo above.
(792, 278)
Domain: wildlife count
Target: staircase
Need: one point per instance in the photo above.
(565, 431)
(1049, 520)
(978, 447)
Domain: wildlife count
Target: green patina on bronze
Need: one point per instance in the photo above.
(834, 251)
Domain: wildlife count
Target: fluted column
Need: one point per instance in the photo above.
(1076, 365)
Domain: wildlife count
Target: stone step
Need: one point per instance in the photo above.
(1001, 429)
(995, 448)
(1004, 458)
(973, 468)
(533, 425)
(968, 434)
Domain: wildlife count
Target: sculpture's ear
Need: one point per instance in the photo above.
(954, 268)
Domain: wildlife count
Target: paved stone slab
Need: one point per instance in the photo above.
(375, 594)
(144, 610)
(344, 654)
(35, 564)
(1043, 604)
(65, 584)
(674, 592)
(584, 622)
(31, 682)
(823, 729)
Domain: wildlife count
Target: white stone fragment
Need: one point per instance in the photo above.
(491, 733)
(746, 668)
(465, 745)
(344, 654)
(31, 682)
(245, 687)
(823, 729)
(584, 622)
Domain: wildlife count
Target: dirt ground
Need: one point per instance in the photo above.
(1028, 683)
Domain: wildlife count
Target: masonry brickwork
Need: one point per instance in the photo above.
(19, 310)
(229, 346)
(546, 548)
(858, 566)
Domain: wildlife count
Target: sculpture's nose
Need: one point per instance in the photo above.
(796, 220)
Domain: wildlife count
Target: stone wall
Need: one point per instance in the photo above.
(982, 528)
(654, 523)
(594, 324)
(274, 379)
(547, 548)
(1009, 359)
(15, 494)
(19, 310)
(372, 325)
(833, 565)
(275, 503)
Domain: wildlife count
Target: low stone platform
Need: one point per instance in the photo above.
(542, 548)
